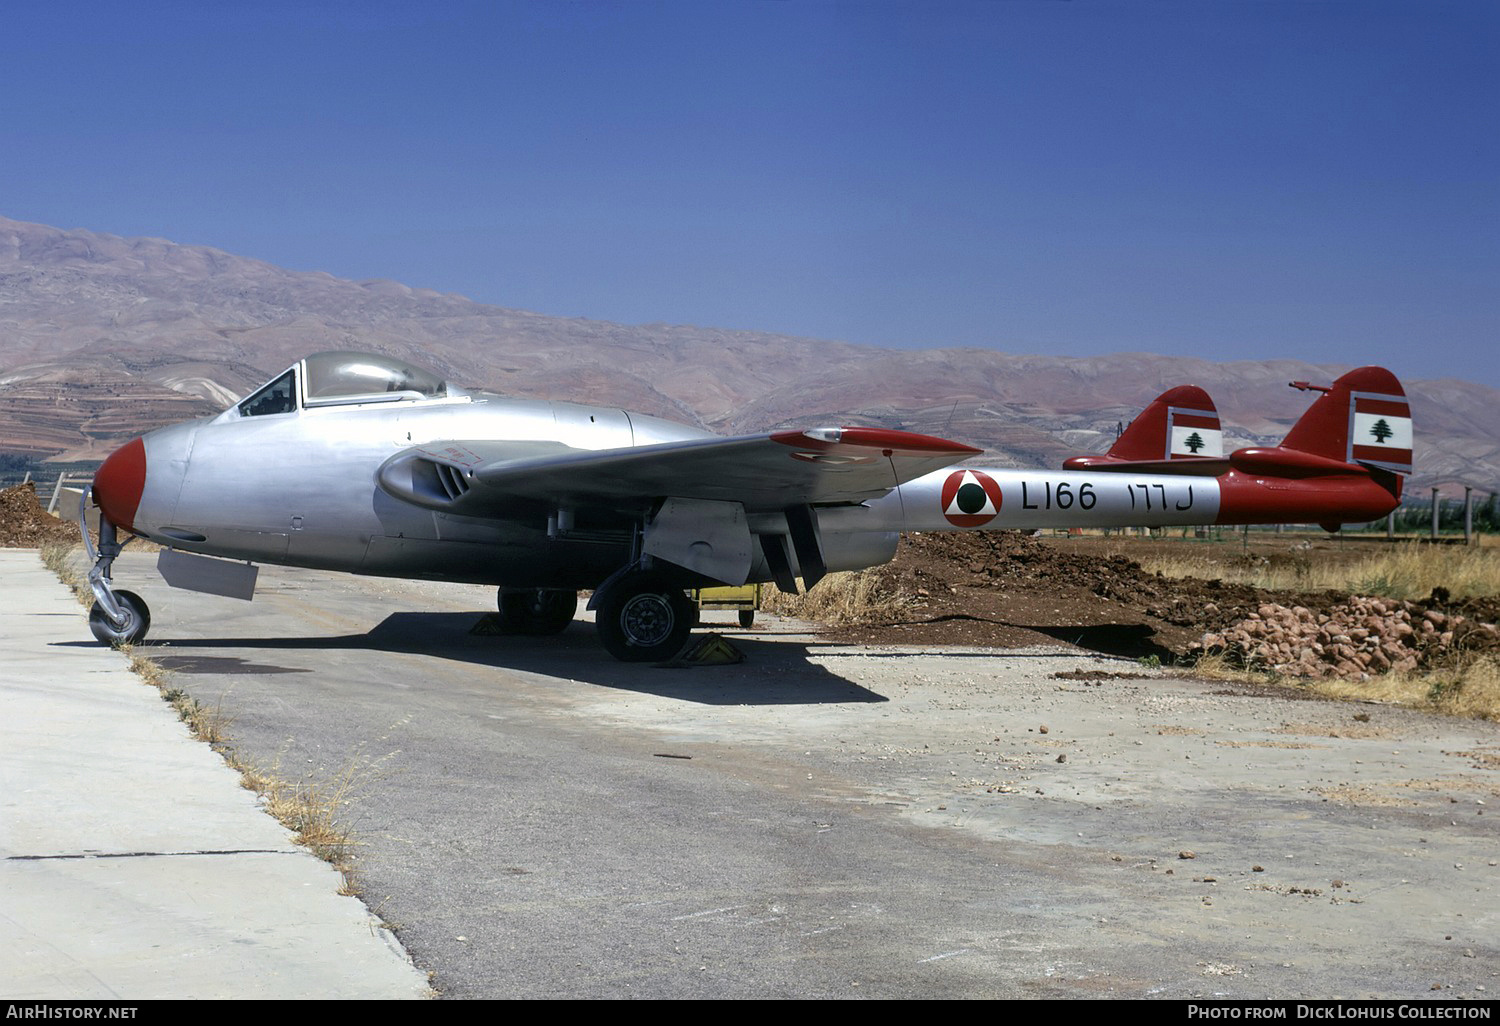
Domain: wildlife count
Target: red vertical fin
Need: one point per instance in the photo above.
(1364, 418)
(1180, 424)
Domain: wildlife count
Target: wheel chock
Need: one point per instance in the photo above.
(710, 650)
(491, 624)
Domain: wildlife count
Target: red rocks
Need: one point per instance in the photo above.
(1363, 637)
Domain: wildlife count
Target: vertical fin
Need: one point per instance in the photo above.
(1181, 423)
(1363, 418)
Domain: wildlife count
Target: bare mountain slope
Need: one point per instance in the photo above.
(103, 337)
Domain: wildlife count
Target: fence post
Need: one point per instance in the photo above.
(56, 492)
(1390, 526)
(1468, 515)
(1434, 514)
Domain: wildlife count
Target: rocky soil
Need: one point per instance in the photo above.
(1006, 589)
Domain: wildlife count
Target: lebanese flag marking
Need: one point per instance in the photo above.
(1193, 433)
(970, 498)
(1188, 440)
(1381, 431)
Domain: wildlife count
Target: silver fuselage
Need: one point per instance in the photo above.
(300, 488)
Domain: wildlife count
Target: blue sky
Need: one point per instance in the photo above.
(1225, 180)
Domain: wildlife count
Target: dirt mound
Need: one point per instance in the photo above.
(1006, 589)
(25, 525)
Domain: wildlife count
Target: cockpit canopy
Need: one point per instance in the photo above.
(347, 377)
(329, 379)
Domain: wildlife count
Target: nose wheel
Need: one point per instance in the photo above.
(130, 629)
(643, 618)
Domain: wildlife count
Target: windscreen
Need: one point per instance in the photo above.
(280, 396)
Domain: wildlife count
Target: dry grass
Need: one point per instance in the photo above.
(1407, 570)
(1470, 687)
(1215, 666)
(840, 599)
(314, 813)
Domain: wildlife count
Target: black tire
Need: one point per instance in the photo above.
(537, 611)
(747, 618)
(643, 618)
(137, 621)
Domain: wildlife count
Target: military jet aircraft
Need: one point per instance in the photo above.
(371, 465)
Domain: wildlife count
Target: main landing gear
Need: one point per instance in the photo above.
(642, 617)
(117, 617)
(537, 611)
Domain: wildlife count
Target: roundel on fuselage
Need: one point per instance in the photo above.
(970, 498)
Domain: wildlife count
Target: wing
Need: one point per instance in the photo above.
(762, 472)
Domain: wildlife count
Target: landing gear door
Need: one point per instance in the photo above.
(710, 538)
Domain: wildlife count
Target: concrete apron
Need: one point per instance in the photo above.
(132, 863)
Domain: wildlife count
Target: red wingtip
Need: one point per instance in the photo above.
(872, 438)
(119, 482)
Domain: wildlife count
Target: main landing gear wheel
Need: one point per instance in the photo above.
(537, 610)
(642, 618)
(137, 621)
(747, 618)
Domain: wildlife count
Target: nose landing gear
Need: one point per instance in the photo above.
(117, 617)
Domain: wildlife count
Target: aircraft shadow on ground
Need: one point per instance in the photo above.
(780, 672)
(1128, 640)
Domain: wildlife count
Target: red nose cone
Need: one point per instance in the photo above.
(119, 483)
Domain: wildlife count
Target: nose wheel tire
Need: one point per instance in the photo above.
(642, 618)
(137, 621)
(537, 611)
